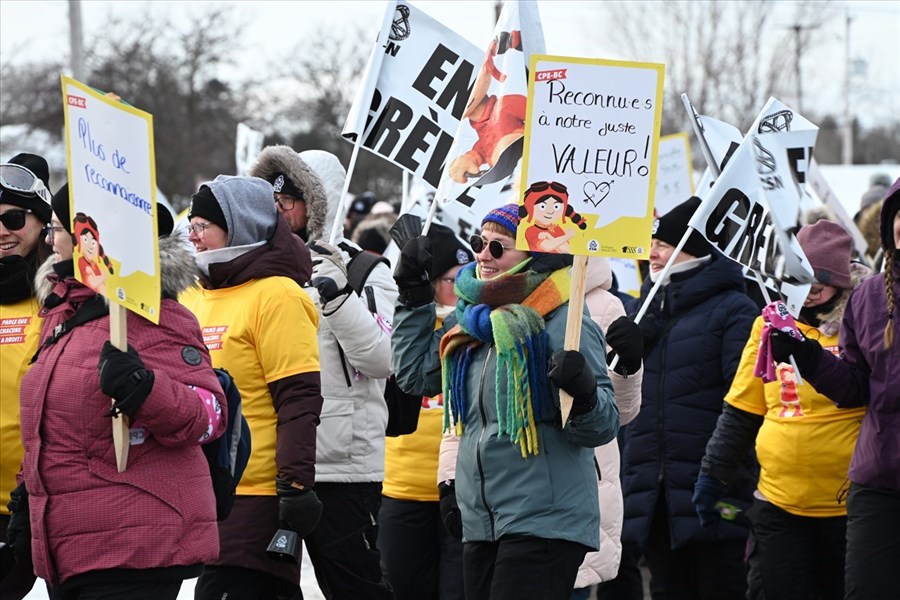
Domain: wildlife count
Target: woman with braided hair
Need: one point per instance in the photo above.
(867, 374)
(525, 482)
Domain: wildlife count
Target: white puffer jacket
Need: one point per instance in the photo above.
(605, 308)
(354, 343)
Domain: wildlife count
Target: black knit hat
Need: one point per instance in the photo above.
(60, 204)
(447, 250)
(205, 206)
(283, 185)
(37, 165)
(670, 228)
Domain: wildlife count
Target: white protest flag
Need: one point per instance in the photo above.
(409, 110)
(722, 138)
(488, 142)
(248, 144)
(736, 215)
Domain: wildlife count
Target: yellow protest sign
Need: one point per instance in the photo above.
(112, 186)
(589, 164)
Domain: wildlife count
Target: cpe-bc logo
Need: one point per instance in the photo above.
(76, 101)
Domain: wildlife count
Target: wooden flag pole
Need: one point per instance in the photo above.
(573, 324)
(118, 336)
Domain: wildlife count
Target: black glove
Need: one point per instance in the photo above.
(806, 352)
(124, 378)
(707, 492)
(413, 273)
(329, 274)
(649, 332)
(450, 514)
(18, 533)
(298, 508)
(570, 372)
(624, 337)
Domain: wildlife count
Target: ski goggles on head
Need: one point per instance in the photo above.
(14, 220)
(19, 179)
(540, 186)
(494, 246)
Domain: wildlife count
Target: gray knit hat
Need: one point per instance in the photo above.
(248, 204)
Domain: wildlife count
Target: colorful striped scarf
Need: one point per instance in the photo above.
(509, 312)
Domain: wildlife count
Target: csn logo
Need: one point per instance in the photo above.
(400, 30)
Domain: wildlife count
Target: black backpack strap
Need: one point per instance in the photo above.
(360, 265)
(89, 310)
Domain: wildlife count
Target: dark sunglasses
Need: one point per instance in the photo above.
(540, 186)
(494, 246)
(14, 220)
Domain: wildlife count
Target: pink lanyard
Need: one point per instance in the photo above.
(776, 315)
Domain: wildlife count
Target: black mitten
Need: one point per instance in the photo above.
(298, 507)
(124, 378)
(18, 533)
(806, 352)
(569, 371)
(413, 273)
(707, 492)
(450, 515)
(625, 339)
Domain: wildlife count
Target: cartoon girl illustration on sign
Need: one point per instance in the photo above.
(547, 208)
(87, 236)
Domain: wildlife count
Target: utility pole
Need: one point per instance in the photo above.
(76, 40)
(798, 43)
(847, 146)
(798, 28)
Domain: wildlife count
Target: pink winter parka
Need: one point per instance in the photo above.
(85, 516)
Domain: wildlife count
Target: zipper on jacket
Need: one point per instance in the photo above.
(662, 376)
(660, 428)
(481, 440)
(344, 365)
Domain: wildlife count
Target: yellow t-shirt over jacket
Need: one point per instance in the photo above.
(805, 442)
(260, 331)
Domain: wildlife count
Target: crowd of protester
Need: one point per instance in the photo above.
(723, 451)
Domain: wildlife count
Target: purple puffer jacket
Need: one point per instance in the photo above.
(867, 373)
(85, 516)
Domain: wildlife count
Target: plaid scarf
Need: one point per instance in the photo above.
(509, 312)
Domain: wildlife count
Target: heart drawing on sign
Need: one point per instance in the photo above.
(595, 193)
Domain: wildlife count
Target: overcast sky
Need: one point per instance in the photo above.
(35, 30)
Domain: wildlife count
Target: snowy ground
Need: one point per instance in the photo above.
(307, 582)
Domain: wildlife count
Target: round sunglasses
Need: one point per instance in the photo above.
(14, 220)
(494, 246)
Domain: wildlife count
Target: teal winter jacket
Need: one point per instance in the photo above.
(551, 495)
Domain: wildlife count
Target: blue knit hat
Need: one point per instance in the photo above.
(507, 216)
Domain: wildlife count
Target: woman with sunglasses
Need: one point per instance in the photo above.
(24, 212)
(525, 482)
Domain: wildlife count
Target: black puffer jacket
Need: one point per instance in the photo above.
(703, 319)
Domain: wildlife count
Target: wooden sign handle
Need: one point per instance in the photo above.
(573, 324)
(118, 336)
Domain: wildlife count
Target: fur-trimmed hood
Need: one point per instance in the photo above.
(178, 269)
(830, 322)
(283, 160)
